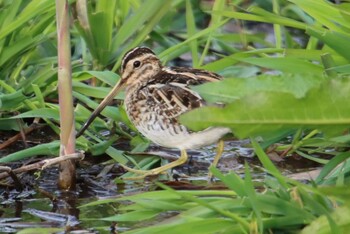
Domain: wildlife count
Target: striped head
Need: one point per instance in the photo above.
(139, 64)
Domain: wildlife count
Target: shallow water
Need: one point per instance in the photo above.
(40, 204)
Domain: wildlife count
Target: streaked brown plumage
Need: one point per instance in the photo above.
(155, 97)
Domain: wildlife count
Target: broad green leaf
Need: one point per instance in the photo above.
(231, 89)
(323, 107)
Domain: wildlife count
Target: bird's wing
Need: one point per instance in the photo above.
(171, 89)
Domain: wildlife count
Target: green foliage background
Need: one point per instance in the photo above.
(296, 85)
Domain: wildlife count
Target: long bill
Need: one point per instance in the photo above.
(108, 99)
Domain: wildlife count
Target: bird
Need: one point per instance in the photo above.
(155, 97)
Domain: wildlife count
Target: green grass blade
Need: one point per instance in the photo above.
(191, 30)
(335, 40)
(268, 165)
(46, 149)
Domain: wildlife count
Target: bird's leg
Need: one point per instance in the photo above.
(143, 173)
(219, 151)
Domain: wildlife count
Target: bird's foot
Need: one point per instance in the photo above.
(143, 173)
(158, 170)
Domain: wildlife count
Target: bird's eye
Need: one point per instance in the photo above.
(137, 64)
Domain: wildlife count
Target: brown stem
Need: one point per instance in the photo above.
(67, 178)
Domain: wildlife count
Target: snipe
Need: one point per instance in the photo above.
(155, 97)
